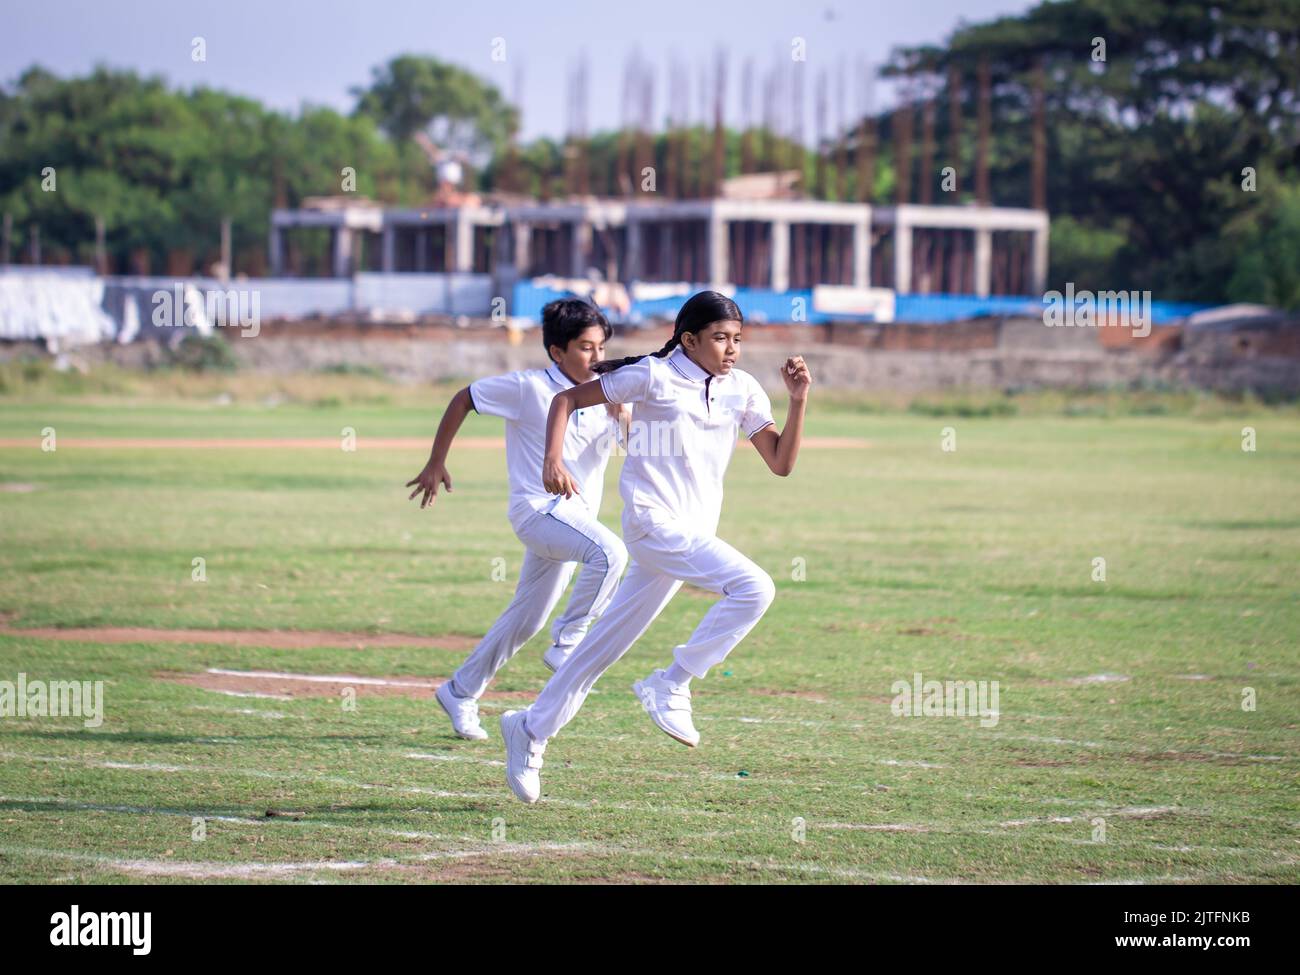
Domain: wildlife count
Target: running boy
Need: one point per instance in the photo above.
(672, 503)
(557, 532)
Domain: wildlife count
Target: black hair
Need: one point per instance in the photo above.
(700, 311)
(564, 319)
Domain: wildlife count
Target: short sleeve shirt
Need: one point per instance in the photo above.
(523, 400)
(681, 438)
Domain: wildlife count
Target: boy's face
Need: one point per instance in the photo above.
(715, 347)
(584, 351)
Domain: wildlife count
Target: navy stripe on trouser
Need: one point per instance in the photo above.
(555, 545)
(661, 562)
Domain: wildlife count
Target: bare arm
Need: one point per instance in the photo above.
(555, 478)
(435, 471)
(781, 450)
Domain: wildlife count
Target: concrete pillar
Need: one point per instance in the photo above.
(342, 252)
(523, 248)
(463, 228)
(388, 257)
(275, 251)
(632, 266)
(1038, 269)
(668, 251)
(862, 253)
(983, 261)
(422, 249)
(780, 255)
(581, 248)
(719, 252)
(902, 255)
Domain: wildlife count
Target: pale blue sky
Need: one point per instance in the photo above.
(285, 52)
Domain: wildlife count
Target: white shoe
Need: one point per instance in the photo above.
(523, 757)
(555, 656)
(669, 706)
(463, 712)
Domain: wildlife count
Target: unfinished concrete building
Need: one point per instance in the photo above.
(776, 244)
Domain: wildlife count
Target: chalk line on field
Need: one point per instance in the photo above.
(211, 870)
(325, 678)
(502, 797)
(76, 805)
(271, 697)
(272, 715)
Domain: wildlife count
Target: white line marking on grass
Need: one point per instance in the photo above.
(324, 678)
(1099, 679)
(1126, 812)
(272, 697)
(274, 715)
(143, 767)
(204, 870)
(875, 827)
(428, 757)
(1049, 741)
(1138, 748)
(801, 722)
(133, 810)
(494, 797)
(907, 764)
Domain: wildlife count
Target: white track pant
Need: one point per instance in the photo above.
(661, 562)
(554, 544)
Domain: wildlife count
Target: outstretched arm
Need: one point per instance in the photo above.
(555, 478)
(435, 471)
(781, 450)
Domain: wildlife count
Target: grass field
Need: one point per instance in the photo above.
(1121, 751)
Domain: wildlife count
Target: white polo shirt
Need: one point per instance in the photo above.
(682, 435)
(523, 400)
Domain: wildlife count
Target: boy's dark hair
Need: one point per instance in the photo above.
(701, 310)
(565, 319)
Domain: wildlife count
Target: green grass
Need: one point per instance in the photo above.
(975, 564)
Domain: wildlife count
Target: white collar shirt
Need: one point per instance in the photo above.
(681, 438)
(523, 400)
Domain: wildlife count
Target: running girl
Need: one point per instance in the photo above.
(672, 500)
(557, 532)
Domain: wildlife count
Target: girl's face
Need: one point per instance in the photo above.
(584, 351)
(716, 347)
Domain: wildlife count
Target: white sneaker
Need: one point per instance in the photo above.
(463, 712)
(669, 706)
(556, 655)
(523, 757)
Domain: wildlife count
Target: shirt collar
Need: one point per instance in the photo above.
(685, 365)
(559, 377)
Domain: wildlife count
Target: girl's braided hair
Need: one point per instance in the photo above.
(701, 310)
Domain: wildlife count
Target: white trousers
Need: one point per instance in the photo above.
(661, 562)
(554, 544)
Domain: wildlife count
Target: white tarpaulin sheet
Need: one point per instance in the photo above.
(61, 307)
